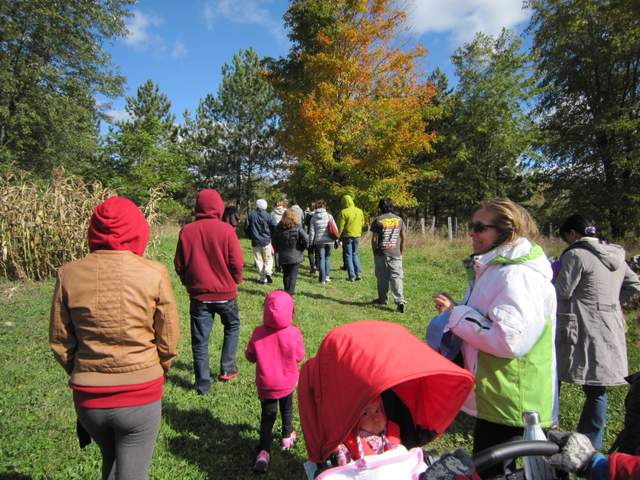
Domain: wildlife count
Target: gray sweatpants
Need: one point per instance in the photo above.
(126, 437)
(389, 273)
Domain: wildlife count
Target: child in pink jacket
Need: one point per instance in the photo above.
(275, 347)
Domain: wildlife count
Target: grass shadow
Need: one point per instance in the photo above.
(182, 365)
(254, 281)
(319, 296)
(218, 449)
(179, 381)
(14, 476)
(253, 291)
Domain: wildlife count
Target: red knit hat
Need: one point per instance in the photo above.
(118, 224)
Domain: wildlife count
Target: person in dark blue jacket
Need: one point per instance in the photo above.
(258, 228)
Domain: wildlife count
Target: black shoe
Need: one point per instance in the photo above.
(351, 279)
(377, 301)
(344, 267)
(400, 308)
(269, 279)
(358, 278)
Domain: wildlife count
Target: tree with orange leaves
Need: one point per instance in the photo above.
(352, 101)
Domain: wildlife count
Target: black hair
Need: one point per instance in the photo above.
(580, 225)
(385, 205)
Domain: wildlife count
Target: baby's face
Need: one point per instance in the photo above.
(373, 418)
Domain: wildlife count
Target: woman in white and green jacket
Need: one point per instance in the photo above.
(506, 322)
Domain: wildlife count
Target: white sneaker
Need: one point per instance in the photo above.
(287, 443)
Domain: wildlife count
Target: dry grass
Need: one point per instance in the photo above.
(44, 225)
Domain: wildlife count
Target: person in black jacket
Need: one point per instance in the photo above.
(311, 249)
(290, 240)
(231, 216)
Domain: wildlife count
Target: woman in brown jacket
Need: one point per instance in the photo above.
(115, 329)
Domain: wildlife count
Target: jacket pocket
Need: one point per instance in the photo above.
(567, 328)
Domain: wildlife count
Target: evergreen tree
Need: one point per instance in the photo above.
(234, 131)
(145, 151)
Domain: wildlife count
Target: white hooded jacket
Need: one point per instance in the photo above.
(507, 324)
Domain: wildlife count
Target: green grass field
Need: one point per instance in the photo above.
(214, 437)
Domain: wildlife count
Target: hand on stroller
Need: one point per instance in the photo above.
(451, 466)
(576, 452)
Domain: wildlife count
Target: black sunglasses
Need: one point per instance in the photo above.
(478, 227)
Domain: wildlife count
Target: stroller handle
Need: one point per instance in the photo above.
(518, 448)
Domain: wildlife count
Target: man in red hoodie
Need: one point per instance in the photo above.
(209, 263)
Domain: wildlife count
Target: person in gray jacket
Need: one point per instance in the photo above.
(590, 334)
(319, 237)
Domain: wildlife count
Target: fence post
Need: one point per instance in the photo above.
(450, 228)
(433, 225)
(422, 225)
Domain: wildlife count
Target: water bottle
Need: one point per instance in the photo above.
(535, 468)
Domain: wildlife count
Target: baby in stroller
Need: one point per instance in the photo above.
(373, 435)
(393, 394)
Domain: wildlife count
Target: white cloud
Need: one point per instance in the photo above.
(179, 50)
(209, 15)
(116, 115)
(461, 19)
(254, 12)
(139, 28)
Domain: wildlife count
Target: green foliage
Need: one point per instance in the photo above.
(52, 64)
(145, 150)
(589, 107)
(484, 130)
(233, 133)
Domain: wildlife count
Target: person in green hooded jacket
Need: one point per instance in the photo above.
(350, 223)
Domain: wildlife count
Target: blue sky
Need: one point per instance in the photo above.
(181, 46)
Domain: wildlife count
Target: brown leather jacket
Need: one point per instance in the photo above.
(114, 319)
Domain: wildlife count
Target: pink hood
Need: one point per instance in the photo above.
(276, 347)
(278, 310)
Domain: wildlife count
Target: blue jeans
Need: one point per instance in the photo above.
(350, 245)
(201, 325)
(594, 414)
(323, 252)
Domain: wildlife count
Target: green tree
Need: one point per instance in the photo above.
(351, 101)
(52, 64)
(145, 151)
(484, 128)
(588, 53)
(234, 131)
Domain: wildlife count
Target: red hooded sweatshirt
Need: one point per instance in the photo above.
(624, 467)
(208, 258)
(118, 224)
(276, 347)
